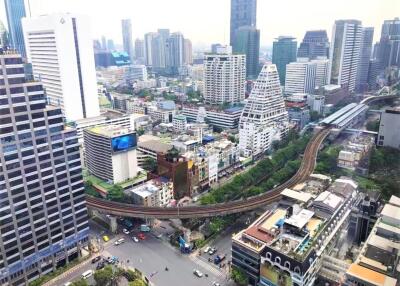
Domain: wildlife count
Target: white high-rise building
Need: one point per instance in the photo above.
(264, 117)
(300, 77)
(224, 77)
(322, 71)
(148, 39)
(344, 53)
(60, 49)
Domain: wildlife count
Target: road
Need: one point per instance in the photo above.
(151, 256)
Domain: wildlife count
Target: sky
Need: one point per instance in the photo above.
(207, 21)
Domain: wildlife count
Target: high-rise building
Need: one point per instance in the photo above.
(344, 53)
(4, 42)
(214, 48)
(373, 71)
(300, 77)
(158, 52)
(103, 43)
(243, 13)
(364, 58)
(283, 52)
(59, 46)
(388, 53)
(187, 52)
(110, 45)
(43, 218)
(148, 39)
(389, 128)
(247, 41)
(315, 44)
(322, 71)
(264, 117)
(224, 77)
(174, 52)
(139, 50)
(127, 37)
(15, 10)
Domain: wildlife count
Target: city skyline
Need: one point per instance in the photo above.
(216, 28)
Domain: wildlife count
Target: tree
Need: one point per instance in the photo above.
(81, 282)
(239, 276)
(116, 193)
(373, 125)
(104, 276)
(150, 164)
(314, 115)
(137, 283)
(140, 131)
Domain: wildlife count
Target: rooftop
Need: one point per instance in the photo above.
(391, 211)
(110, 130)
(328, 199)
(395, 201)
(155, 145)
(301, 219)
(371, 276)
(299, 196)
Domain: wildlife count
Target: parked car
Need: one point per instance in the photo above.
(119, 241)
(100, 265)
(135, 239)
(197, 273)
(219, 258)
(87, 274)
(216, 284)
(95, 259)
(212, 251)
(106, 238)
(125, 231)
(207, 249)
(68, 283)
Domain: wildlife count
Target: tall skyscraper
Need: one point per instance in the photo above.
(322, 71)
(175, 52)
(345, 52)
(60, 48)
(364, 58)
(158, 45)
(187, 52)
(315, 44)
(300, 77)
(4, 39)
(224, 77)
(43, 216)
(15, 10)
(243, 13)
(283, 52)
(264, 117)
(139, 50)
(388, 53)
(148, 39)
(127, 37)
(247, 41)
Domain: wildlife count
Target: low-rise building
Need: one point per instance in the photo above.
(299, 116)
(179, 123)
(355, 151)
(149, 146)
(157, 192)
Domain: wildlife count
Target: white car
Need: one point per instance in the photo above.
(68, 284)
(119, 241)
(125, 231)
(207, 249)
(216, 284)
(135, 239)
(197, 273)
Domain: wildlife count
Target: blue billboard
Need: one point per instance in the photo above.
(123, 143)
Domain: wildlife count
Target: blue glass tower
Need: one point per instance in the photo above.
(15, 10)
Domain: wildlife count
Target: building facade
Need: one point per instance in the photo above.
(284, 52)
(364, 58)
(222, 118)
(264, 117)
(243, 13)
(247, 42)
(300, 77)
(315, 44)
(59, 46)
(44, 220)
(389, 129)
(345, 52)
(388, 53)
(127, 37)
(15, 11)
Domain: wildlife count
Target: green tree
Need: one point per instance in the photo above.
(140, 131)
(373, 125)
(104, 276)
(239, 276)
(314, 115)
(150, 164)
(137, 282)
(116, 193)
(81, 282)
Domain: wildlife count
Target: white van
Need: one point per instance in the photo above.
(87, 274)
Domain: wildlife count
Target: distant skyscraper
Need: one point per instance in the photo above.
(300, 77)
(187, 52)
(127, 37)
(345, 52)
(224, 77)
(148, 39)
(214, 48)
(322, 71)
(388, 53)
(4, 39)
(158, 45)
(175, 52)
(264, 117)
(15, 10)
(139, 49)
(103, 43)
(66, 62)
(364, 58)
(315, 44)
(243, 13)
(283, 53)
(247, 41)
(110, 45)
(44, 222)
(373, 71)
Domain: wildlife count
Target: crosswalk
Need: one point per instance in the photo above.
(207, 266)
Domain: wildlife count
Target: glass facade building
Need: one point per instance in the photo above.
(283, 52)
(15, 10)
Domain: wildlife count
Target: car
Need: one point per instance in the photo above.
(119, 241)
(216, 284)
(212, 251)
(197, 273)
(141, 236)
(87, 274)
(95, 259)
(106, 238)
(125, 231)
(135, 239)
(207, 249)
(100, 265)
(159, 236)
(68, 283)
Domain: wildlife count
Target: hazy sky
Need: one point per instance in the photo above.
(207, 21)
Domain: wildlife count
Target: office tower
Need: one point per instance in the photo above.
(264, 117)
(43, 219)
(110, 152)
(158, 43)
(224, 77)
(59, 46)
(243, 13)
(3, 36)
(110, 45)
(283, 52)
(187, 52)
(96, 45)
(139, 49)
(373, 71)
(127, 37)
(247, 41)
(315, 44)
(363, 60)
(148, 38)
(174, 52)
(322, 70)
(344, 53)
(300, 77)
(103, 43)
(15, 10)
(388, 53)
(214, 47)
